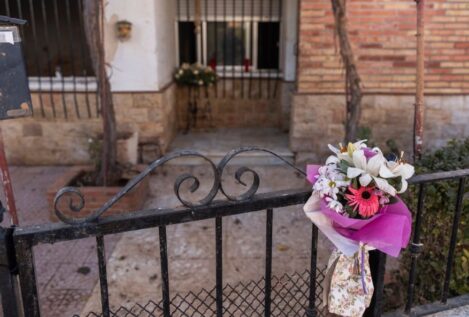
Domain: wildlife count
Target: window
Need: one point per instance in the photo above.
(54, 42)
(226, 43)
(234, 35)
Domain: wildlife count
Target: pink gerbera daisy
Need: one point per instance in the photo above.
(364, 199)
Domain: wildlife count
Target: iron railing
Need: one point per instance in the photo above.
(288, 295)
(57, 57)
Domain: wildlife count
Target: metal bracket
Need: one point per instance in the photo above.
(416, 248)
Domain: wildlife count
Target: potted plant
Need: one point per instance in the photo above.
(104, 179)
(195, 77)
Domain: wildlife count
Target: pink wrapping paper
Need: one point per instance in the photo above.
(388, 231)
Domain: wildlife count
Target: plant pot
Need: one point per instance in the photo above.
(127, 148)
(96, 196)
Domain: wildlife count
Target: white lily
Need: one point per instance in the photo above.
(370, 170)
(394, 169)
(346, 154)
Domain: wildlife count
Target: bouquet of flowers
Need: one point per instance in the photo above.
(195, 75)
(355, 204)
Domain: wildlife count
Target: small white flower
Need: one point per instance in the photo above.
(196, 72)
(334, 205)
(201, 82)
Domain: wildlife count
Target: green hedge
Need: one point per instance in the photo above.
(440, 200)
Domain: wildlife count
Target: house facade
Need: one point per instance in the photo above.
(277, 63)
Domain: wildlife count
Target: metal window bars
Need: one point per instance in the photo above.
(58, 62)
(239, 70)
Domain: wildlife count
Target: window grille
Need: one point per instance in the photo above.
(240, 39)
(56, 56)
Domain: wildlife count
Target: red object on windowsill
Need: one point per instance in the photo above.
(213, 63)
(247, 64)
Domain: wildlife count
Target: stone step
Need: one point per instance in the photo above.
(254, 158)
(216, 144)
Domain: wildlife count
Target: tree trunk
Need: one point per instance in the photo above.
(94, 31)
(419, 97)
(353, 90)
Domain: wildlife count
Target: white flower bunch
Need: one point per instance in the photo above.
(356, 170)
(371, 167)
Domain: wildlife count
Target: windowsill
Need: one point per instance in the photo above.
(229, 73)
(63, 84)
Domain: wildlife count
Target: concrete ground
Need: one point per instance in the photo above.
(209, 144)
(66, 272)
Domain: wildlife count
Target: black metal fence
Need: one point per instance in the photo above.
(288, 295)
(57, 58)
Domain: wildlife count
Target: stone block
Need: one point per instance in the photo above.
(32, 129)
(145, 100)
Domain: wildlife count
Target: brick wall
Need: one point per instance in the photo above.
(382, 33)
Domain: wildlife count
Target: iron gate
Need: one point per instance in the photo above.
(298, 294)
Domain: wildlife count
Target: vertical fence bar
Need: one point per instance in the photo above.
(83, 55)
(311, 310)
(102, 275)
(36, 58)
(49, 66)
(243, 58)
(219, 265)
(164, 270)
(251, 48)
(215, 8)
(415, 248)
(233, 53)
(259, 71)
(7, 279)
(280, 22)
(59, 51)
(72, 56)
(269, 71)
(268, 263)
(27, 278)
(224, 48)
(454, 236)
(7, 7)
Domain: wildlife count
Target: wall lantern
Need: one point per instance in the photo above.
(123, 29)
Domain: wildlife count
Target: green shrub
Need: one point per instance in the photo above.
(437, 219)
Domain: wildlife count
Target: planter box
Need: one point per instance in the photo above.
(96, 196)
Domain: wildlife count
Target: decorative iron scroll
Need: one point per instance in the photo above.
(217, 185)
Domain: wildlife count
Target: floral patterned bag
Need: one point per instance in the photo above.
(347, 291)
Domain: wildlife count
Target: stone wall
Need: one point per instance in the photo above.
(318, 120)
(247, 103)
(51, 141)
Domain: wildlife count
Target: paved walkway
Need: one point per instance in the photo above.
(67, 271)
